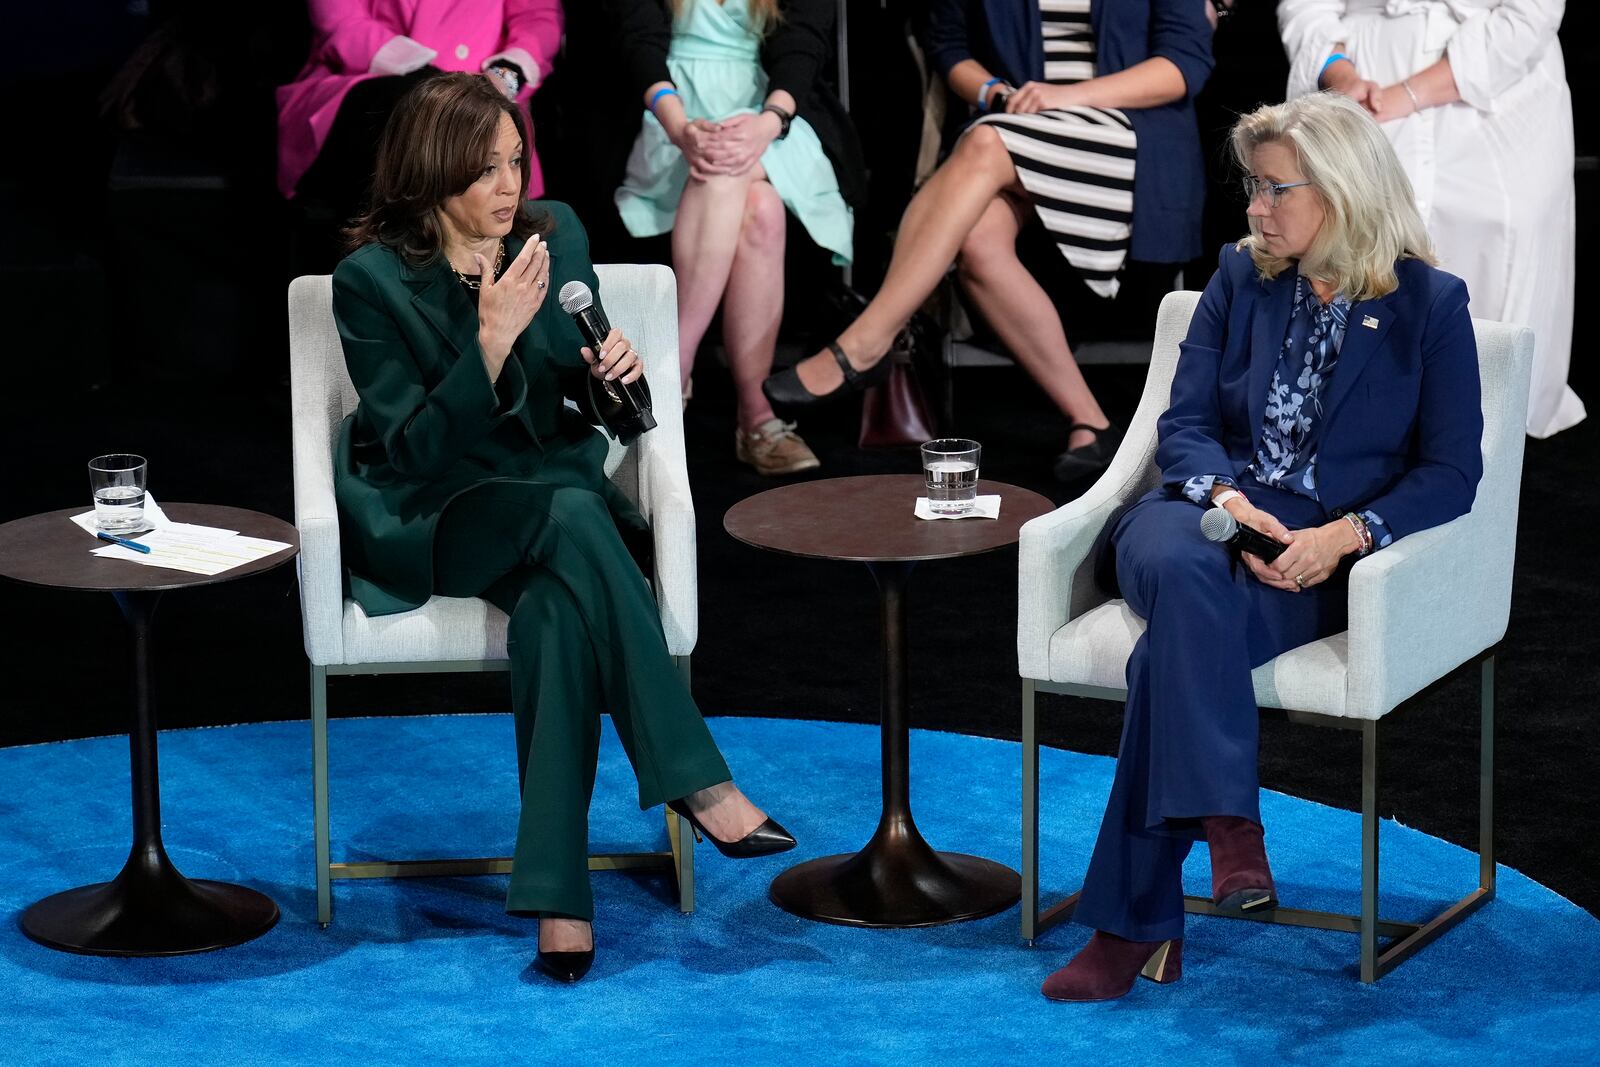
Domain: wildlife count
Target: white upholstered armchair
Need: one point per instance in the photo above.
(1073, 639)
(467, 634)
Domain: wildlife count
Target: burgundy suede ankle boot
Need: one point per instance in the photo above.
(1108, 965)
(1241, 881)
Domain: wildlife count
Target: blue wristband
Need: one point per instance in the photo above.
(983, 92)
(1330, 61)
(659, 93)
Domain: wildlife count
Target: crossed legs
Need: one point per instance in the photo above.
(969, 213)
(727, 249)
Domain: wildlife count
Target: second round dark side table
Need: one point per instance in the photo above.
(897, 879)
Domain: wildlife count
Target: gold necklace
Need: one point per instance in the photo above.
(471, 283)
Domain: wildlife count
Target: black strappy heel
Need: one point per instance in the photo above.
(788, 395)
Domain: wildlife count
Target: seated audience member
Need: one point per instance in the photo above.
(1327, 396)
(727, 146)
(366, 54)
(463, 473)
(1473, 95)
(1091, 136)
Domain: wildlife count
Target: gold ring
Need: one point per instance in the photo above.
(1300, 580)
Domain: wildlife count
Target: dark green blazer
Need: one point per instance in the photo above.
(430, 425)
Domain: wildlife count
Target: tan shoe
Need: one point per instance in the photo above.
(774, 449)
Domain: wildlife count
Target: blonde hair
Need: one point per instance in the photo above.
(1372, 218)
(765, 11)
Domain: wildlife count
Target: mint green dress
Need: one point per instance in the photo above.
(715, 63)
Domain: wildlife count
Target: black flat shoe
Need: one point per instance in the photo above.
(564, 967)
(788, 395)
(768, 839)
(1089, 459)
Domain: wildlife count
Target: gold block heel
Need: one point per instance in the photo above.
(1166, 965)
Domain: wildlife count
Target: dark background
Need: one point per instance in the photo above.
(144, 260)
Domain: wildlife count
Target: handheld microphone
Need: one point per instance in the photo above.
(624, 409)
(1219, 526)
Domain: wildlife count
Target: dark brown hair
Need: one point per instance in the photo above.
(435, 145)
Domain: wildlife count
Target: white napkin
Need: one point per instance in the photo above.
(154, 518)
(985, 507)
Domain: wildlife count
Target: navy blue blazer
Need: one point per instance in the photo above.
(1169, 185)
(1402, 429)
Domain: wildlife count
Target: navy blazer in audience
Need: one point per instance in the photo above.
(1169, 179)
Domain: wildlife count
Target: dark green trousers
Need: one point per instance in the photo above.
(584, 638)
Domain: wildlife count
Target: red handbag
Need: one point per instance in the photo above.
(895, 413)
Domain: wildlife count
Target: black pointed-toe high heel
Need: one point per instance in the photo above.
(768, 839)
(564, 967)
(788, 395)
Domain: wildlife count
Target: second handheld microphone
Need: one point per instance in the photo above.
(1223, 528)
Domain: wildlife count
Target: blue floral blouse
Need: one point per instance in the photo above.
(1291, 425)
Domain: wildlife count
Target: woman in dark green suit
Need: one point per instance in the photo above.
(462, 473)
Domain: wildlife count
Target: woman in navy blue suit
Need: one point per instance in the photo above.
(1086, 128)
(1327, 395)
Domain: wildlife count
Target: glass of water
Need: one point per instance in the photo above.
(117, 482)
(951, 466)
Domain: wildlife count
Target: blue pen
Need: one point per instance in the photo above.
(136, 546)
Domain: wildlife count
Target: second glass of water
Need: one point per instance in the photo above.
(951, 466)
(117, 482)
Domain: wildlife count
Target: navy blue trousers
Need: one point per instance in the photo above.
(1190, 733)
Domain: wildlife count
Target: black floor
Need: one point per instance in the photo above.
(786, 637)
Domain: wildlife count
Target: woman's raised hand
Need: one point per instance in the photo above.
(506, 305)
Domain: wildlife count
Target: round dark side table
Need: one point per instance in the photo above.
(897, 879)
(149, 909)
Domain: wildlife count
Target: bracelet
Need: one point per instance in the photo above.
(784, 118)
(983, 92)
(1227, 495)
(1330, 61)
(1364, 535)
(658, 94)
(1416, 105)
(509, 73)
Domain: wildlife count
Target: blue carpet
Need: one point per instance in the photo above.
(436, 971)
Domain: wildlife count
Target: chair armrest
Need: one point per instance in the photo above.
(1401, 596)
(665, 501)
(1053, 580)
(320, 567)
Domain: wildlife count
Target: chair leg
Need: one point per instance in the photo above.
(1030, 814)
(678, 833)
(1369, 850)
(1486, 777)
(319, 790)
(682, 860)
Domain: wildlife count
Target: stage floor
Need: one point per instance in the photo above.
(434, 970)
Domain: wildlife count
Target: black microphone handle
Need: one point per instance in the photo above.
(1257, 544)
(592, 323)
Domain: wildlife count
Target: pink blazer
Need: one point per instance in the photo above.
(357, 39)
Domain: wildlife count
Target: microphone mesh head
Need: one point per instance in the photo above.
(574, 297)
(1218, 525)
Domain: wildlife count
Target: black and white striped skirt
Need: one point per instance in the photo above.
(1077, 167)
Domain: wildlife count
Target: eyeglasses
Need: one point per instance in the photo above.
(1254, 187)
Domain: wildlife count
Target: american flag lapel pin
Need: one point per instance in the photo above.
(1370, 321)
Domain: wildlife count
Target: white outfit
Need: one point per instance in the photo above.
(1492, 173)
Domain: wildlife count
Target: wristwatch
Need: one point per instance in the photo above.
(784, 118)
(510, 73)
